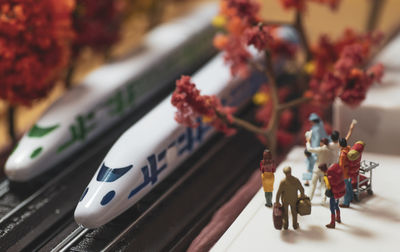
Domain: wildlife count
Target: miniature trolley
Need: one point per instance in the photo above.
(364, 180)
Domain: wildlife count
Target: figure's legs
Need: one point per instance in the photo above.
(313, 185)
(285, 216)
(322, 187)
(268, 199)
(332, 206)
(293, 209)
(349, 193)
(338, 220)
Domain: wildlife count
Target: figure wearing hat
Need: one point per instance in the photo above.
(287, 193)
(316, 133)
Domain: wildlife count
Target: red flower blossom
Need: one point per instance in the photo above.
(247, 10)
(97, 23)
(34, 47)
(237, 56)
(191, 105)
(337, 68)
(258, 36)
(358, 83)
(350, 57)
(265, 38)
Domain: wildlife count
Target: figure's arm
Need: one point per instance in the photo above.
(311, 149)
(327, 184)
(301, 189)
(354, 122)
(278, 193)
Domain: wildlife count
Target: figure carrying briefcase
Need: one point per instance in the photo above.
(303, 206)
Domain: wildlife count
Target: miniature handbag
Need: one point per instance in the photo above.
(303, 206)
(277, 213)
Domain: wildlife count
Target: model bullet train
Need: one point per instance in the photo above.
(153, 147)
(110, 92)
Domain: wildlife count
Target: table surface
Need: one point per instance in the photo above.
(370, 225)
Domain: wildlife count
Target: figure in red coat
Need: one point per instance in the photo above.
(336, 188)
(354, 159)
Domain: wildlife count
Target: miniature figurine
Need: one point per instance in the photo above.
(335, 189)
(267, 168)
(334, 146)
(353, 164)
(344, 164)
(317, 132)
(324, 156)
(287, 192)
(354, 159)
(308, 175)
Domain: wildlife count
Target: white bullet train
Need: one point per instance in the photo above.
(153, 147)
(110, 92)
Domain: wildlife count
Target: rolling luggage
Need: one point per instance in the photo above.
(277, 213)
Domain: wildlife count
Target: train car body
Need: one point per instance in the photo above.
(153, 147)
(111, 92)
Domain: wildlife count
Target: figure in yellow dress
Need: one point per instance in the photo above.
(267, 168)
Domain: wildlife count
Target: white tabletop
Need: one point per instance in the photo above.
(371, 225)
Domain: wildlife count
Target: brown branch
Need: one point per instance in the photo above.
(392, 34)
(293, 103)
(276, 23)
(240, 123)
(248, 126)
(299, 25)
(375, 12)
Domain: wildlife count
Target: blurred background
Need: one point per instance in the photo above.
(139, 16)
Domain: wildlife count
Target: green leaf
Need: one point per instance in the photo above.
(37, 131)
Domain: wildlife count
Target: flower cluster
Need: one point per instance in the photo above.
(245, 29)
(34, 47)
(338, 68)
(96, 23)
(191, 105)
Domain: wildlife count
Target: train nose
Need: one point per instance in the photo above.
(18, 169)
(94, 211)
(86, 216)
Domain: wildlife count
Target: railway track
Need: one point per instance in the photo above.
(29, 212)
(177, 208)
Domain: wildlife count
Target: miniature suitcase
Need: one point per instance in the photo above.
(303, 206)
(277, 213)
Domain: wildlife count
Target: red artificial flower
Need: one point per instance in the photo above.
(34, 47)
(191, 105)
(266, 38)
(237, 57)
(247, 10)
(358, 83)
(337, 70)
(97, 23)
(258, 36)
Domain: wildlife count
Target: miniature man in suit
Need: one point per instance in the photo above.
(287, 192)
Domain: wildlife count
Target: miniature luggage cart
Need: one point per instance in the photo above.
(364, 181)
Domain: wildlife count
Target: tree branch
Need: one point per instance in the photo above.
(299, 25)
(293, 103)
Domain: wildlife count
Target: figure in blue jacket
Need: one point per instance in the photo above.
(317, 133)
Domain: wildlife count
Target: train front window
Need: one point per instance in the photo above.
(107, 174)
